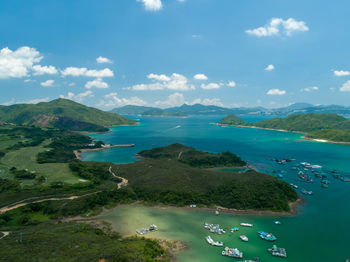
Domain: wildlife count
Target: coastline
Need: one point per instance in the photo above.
(296, 132)
(78, 152)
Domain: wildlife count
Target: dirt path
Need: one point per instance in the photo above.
(6, 233)
(22, 203)
(124, 180)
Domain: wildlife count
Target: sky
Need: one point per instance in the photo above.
(164, 53)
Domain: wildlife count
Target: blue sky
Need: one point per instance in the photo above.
(169, 52)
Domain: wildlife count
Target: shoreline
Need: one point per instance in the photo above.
(78, 152)
(295, 132)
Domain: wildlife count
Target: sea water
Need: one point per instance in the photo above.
(321, 230)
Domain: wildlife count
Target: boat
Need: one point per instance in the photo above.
(267, 236)
(234, 229)
(213, 228)
(232, 252)
(214, 243)
(144, 231)
(324, 185)
(277, 251)
(244, 238)
(280, 176)
(305, 192)
(217, 212)
(295, 186)
(276, 222)
(246, 225)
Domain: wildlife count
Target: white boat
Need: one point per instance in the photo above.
(244, 238)
(246, 225)
(214, 243)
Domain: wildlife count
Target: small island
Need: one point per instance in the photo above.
(319, 127)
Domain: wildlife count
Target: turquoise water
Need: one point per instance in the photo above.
(321, 231)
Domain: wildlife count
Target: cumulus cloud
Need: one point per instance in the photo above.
(310, 89)
(276, 92)
(210, 86)
(277, 26)
(47, 83)
(269, 68)
(151, 5)
(42, 70)
(161, 77)
(82, 71)
(112, 100)
(18, 63)
(231, 84)
(173, 82)
(78, 97)
(178, 99)
(341, 73)
(97, 83)
(103, 60)
(200, 77)
(345, 87)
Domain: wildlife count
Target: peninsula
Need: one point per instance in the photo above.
(320, 127)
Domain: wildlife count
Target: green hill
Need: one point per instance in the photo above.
(331, 127)
(62, 113)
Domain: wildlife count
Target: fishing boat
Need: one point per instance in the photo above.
(234, 229)
(295, 186)
(280, 176)
(267, 236)
(213, 228)
(232, 252)
(244, 238)
(277, 251)
(276, 222)
(246, 225)
(305, 192)
(144, 231)
(214, 243)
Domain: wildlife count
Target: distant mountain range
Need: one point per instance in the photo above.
(199, 109)
(62, 113)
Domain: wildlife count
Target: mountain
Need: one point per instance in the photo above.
(62, 113)
(132, 110)
(144, 111)
(331, 127)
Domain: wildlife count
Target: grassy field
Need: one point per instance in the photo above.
(6, 141)
(25, 158)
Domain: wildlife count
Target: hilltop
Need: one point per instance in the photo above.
(331, 127)
(62, 113)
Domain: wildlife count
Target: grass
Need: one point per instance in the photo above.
(6, 141)
(25, 158)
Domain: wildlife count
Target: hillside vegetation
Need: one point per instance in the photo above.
(62, 113)
(331, 127)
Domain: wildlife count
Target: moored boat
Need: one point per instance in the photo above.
(278, 251)
(244, 238)
(234, 229)
(267, 236)
(232, 252)
(214, 243)
(246, 225)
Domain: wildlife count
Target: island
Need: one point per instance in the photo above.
(48, 195)
(319, 127)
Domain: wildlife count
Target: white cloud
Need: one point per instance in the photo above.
(71, 84)
(78, 97)
(112, 100)
(231, 84)
(176, 99)
(151, 5)
(97, 83)
(310, 89)
(345, 87)
(210, 86)
(269, 68)
(28, 80)
(208, 102)
(173, 82)
(31, 101)
(276, 91)
(277, 25)
(18, 63)
(341, 73)
(200, 77)
(82, 71)
(102, 60)
(161, 77)
(41, 70)
(47, 83)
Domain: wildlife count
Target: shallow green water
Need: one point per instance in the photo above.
(321, 232)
